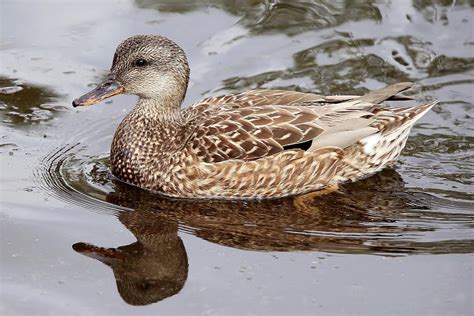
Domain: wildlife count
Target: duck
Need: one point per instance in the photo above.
(254, 144)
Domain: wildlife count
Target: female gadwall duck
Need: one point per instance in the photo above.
(255, 144)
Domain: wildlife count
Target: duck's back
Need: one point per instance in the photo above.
(248, 145)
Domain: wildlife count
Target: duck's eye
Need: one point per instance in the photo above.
(140, 62)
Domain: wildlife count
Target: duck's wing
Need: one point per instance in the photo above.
(253, 98)
(252, 132)
(271, 97)
(251, 129)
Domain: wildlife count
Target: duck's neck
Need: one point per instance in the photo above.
(159, 110)
(148, 137)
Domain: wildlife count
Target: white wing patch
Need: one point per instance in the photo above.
(370, 143)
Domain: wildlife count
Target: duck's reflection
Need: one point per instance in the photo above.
(359, 218)
(152, 268)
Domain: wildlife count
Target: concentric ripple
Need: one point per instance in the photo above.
(65, 176)
(377, 215)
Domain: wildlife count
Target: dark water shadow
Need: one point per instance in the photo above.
(266, 17)
(23, 105)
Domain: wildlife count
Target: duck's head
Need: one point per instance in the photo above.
(150, 66)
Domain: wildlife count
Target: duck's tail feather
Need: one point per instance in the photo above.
(390, 119)
(385, 93)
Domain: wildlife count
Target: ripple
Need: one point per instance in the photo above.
(61, 174)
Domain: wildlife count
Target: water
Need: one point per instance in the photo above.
(74, 240)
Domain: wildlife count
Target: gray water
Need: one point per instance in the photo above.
(75, 241)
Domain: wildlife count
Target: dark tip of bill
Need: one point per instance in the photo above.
(75, 103)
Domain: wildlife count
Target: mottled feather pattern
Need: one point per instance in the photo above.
(252, 132)
(254, 144)
(273, 176)
(233, 146)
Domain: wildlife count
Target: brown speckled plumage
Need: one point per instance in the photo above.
(246, 145)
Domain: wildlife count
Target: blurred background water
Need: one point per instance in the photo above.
(400, 242)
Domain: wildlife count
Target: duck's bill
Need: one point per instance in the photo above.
(106, 89)
(106, 255)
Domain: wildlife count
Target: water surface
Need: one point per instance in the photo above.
(74, 240)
